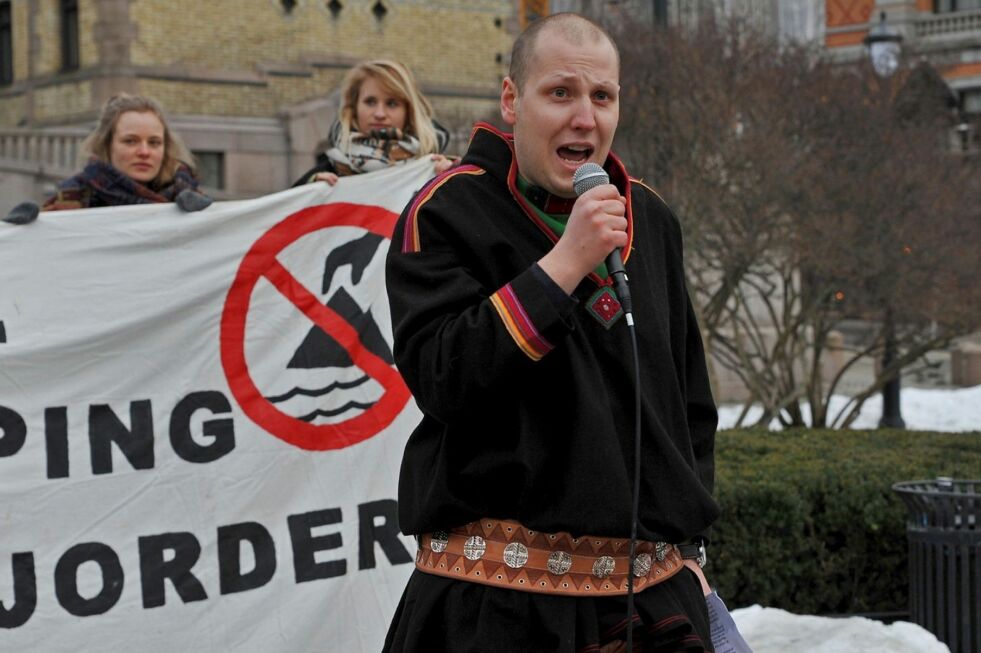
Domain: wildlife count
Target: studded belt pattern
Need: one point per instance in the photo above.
(506, 554)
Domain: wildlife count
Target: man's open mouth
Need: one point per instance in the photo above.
(575, 153)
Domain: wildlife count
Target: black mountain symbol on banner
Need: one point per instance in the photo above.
(356, 253)
(319, 349)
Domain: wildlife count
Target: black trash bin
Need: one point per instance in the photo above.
(944, 533)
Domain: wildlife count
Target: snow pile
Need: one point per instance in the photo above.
(922, 409)
(768, 630)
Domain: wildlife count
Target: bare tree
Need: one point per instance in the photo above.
(808, 193)
(907, 216)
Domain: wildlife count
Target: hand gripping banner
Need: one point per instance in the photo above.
(201, 424)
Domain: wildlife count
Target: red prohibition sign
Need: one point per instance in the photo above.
(260, 262)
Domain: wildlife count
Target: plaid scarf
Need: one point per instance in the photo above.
(101, 184)
(375, 150)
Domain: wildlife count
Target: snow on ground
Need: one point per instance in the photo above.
(768, 630)
(922, 409)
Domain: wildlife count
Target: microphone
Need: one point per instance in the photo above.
(587, 176)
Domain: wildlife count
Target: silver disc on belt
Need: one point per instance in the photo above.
(474, 547)
(515, 555)
(661, 550)
(603, 567)
(438, 540)
(559, 562)
(642, 565)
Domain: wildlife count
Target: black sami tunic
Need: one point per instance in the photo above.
(528, 402)
(528, 408)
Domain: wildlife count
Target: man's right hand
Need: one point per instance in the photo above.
(596, 226)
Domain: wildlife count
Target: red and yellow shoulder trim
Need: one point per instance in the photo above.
(640, 182)
(410, 239)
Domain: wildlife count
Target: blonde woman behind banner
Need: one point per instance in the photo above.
(384, 118)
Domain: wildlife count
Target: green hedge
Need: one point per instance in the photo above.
(809, 523)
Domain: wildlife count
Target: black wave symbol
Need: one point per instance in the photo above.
(339, 385)
(309, 417)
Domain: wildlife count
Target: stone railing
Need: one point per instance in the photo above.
(48, 151)
(952, 24)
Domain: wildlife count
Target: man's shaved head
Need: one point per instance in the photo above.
(572, 27)
(562, 99)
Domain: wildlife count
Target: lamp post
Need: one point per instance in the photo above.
(884, 47)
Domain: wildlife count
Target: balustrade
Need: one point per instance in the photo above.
(948, 24)
(48, 150)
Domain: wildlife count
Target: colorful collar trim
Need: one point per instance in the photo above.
(544, 200)
(618, 177)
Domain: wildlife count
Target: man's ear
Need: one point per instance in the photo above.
(509, 101)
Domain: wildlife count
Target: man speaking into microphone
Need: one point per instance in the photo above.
(519, 481)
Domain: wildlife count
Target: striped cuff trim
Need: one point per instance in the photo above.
(519, 325)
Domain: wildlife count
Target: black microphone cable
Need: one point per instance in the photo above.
(587, 176)
(635, 508)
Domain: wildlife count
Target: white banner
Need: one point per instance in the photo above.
(201, 426)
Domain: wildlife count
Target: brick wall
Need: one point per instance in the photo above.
(19, 33)
(224, 69)
(47, 29)
(249, 99)
(70, 101)
(251, 58)
(293, 57)
(88, 54)
(11, 110)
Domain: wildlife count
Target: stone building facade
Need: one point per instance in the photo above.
(247, 83)
(945, 32)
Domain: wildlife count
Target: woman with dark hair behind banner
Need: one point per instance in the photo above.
(384, 119)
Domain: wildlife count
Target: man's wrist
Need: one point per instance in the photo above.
(562, 301)
(565, 276)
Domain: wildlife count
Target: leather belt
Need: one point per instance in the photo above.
(693, 551)
(504, 553)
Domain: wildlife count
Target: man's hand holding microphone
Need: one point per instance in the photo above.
(595, 232)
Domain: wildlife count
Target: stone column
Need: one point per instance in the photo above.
(113, 32)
